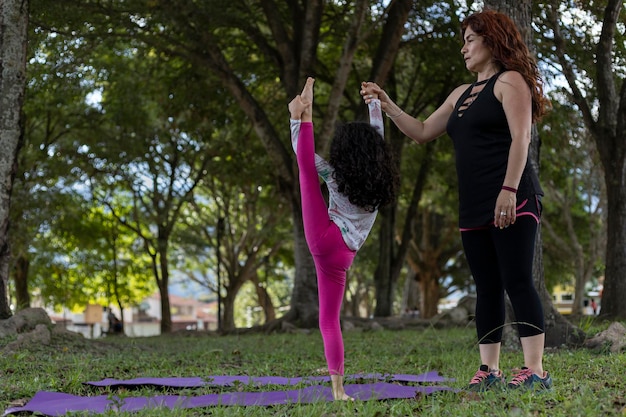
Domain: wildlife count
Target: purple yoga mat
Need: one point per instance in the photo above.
(195, 382)
(58, 404)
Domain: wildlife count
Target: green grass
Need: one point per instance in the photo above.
(586, 383)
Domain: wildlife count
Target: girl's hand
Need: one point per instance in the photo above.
(371, 91)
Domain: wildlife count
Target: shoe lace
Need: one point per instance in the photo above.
(521, 376)
(479, 376)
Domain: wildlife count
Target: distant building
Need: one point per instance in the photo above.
(563, 299)
(187, 313)
(144, 320)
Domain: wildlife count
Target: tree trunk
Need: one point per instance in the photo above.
(262, 295)
(357, 302)
(558, 330)
(13, 44)
(429, 287)
(22, 296)
(228, 312)
(166, 313)
(578, 308)
(610, 139)
(384, 282)
(304, 302)
(411, 298)
(614, 290)
(266, 303)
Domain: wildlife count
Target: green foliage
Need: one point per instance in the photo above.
(89, 261)
(156, 137)
(575, 200)
(580, 24)
(166, 147)
(249, 313)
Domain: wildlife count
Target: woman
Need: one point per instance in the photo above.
(490, 123)
(361, 176)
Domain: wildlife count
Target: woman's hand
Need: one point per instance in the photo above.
(370, 91)
(504, 213)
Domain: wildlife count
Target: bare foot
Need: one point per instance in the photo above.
(307, 91)
(339, 394)
(344, 397)
(306, 99)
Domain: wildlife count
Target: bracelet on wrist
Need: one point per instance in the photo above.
(395, 115)
(511, 189)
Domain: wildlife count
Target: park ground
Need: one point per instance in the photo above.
(586, 382)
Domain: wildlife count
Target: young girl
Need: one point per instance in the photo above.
(361, 176)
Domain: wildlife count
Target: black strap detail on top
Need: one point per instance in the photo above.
(479, 83)
(471, 97)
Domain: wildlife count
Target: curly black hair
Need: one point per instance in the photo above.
(364, 166)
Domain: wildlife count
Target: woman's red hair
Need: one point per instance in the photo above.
(510, 52)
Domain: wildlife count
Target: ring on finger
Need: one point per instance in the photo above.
(503, 213)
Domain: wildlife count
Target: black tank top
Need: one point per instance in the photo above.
(481, 137)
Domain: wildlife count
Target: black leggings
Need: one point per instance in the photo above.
(502, 259)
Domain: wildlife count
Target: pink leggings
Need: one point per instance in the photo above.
(331, 256)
